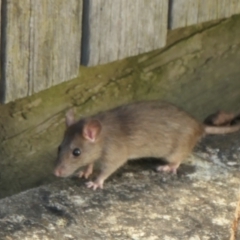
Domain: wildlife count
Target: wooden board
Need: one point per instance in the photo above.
(121, 28)
(15, 47)
(42, 45)
(235, 6)
(184, 13)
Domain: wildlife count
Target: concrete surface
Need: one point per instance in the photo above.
(137, 203)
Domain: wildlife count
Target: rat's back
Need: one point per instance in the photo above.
(150, 129)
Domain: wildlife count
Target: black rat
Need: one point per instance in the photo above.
(143, 129)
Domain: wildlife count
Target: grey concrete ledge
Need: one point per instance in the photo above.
(136, 203)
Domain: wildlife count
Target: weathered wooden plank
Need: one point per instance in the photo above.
(15, 46)
(123, 30)
(92, 17)
(188, 12)
(163, 16)
(42, 41)
(179, 10)
(55, 46)
(105, 24)
(192, 12)
(132, 43)
(119, 29)
(207, 10)
(223, 9)
(153, 22)
(213, 14)
(115, 24)
(235, 6)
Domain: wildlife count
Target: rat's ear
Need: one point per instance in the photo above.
(70, 118)
(91, 130)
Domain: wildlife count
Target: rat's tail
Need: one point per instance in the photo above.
(221, 130)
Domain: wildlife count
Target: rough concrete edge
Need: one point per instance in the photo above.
(236, 221)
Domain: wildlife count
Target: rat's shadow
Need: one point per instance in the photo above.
(150, 164)
(143, 164)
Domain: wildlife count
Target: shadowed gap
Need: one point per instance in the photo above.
(84, 58)
(3, 50)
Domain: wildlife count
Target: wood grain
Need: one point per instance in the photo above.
(17, 41)
(42, 45)
(119, 29)
(184, 13)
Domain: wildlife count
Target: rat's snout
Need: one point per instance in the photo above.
(58, 172)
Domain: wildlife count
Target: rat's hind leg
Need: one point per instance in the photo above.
(174, 160)
(169, 168)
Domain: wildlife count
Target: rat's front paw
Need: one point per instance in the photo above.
(94, 185)
(84, 174)
(87, 172)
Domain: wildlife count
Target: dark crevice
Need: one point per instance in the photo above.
(3, 50)
(30, 60)
(84, 58)
(170, 4)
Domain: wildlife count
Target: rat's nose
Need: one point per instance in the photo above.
(57, 172)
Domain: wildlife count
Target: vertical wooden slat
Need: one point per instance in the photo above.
(55, 49)
(115, 21)
(237, 7)
(94, 19)
(105, 10)
(17, 40)
(163, 21)
(213, 13)
(207, 11)
(188, 12)
(234, 6)
(123, 28)
(192, 12)
(223, 9)
(178, 13)
(42, 41)
(132, 37)
(151, 24)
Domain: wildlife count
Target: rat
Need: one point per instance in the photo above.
(137, 130)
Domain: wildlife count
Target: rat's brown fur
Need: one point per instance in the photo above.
(144, 129)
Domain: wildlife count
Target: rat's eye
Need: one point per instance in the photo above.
(76, 152)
